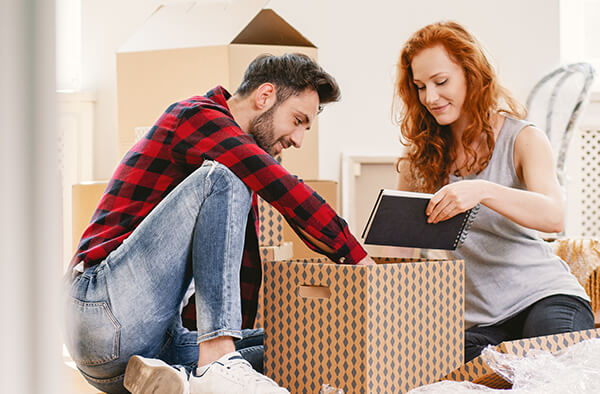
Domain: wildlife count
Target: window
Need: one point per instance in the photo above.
(580, 33)
(68, 45)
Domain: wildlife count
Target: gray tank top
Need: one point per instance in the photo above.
(507, 266)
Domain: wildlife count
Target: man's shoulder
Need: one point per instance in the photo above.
(214, 100)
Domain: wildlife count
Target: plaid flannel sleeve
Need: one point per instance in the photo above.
(211, 134)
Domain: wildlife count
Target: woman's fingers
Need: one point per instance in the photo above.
(441, 211)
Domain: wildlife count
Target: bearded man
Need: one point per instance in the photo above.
(180, 211)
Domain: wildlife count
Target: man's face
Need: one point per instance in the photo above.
(284, 124)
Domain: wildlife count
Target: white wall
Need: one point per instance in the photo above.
(106, 25)
(361, 50)
(358, 43)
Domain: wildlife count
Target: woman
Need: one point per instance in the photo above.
(468, 144)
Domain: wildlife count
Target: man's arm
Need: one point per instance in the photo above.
(213, 135)
(365, 261)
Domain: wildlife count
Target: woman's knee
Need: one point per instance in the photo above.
(558, 314)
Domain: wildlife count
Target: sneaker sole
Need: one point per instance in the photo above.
(143, 378)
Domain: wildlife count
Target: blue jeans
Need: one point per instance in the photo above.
(551, 315)
(129, 303)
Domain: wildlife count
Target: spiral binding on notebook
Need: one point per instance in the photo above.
(467, 222)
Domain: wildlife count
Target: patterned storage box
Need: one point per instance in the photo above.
(477, 371)
(381, 329)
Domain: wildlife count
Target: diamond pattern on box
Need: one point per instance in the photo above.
(270, 225)
(387, 328)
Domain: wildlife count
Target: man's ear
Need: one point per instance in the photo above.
(265, 96)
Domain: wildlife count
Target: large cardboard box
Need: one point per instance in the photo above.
(185, 49)
(365, 329)
(477, 370)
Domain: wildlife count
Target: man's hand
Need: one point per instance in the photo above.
(366, 261)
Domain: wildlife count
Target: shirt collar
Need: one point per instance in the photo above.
(219, 95)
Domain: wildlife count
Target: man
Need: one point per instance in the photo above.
(181, 206)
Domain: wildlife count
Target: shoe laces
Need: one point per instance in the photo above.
(244, 371)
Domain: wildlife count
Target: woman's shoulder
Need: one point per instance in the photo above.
(520, 129)
(531, 144)
(511, 122)
(529, 136)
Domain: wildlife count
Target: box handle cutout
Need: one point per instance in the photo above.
(310, 291)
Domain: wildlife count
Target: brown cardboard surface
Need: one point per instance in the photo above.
(592, 288)
(270, 225)
(268, 28)
(148, 81)
(85, 199)
(383, 329)
(477, 371)
(270, 253)
(329, 191)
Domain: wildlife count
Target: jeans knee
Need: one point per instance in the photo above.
(222, 177)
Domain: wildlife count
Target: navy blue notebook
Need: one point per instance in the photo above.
(398, 219)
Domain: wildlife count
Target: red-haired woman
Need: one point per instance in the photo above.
(468, 143)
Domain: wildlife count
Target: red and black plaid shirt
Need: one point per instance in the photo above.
(188, 133)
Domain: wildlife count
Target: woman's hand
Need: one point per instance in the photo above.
(453, 199)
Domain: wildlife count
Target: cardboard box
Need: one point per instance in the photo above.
(270, 253)
(86, 197)
(477, 371)
(592, 288)
(185, 49)
(270, 225)
(382, 329)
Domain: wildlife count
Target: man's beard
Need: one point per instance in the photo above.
(261, 128)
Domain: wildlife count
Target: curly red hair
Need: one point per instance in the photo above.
(431, 145)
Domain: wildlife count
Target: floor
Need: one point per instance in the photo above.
(73, 379)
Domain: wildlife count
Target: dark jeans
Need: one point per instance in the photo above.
(251, 348)
(551, 315)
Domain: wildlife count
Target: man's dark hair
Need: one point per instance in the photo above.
(291, 74)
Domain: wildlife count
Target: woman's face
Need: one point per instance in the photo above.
(441, 85)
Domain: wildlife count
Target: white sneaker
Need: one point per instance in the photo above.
(231, 374)
(151, 375)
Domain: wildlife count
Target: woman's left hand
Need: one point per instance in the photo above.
(453, 199)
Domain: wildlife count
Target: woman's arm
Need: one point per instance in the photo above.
(540, 207)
